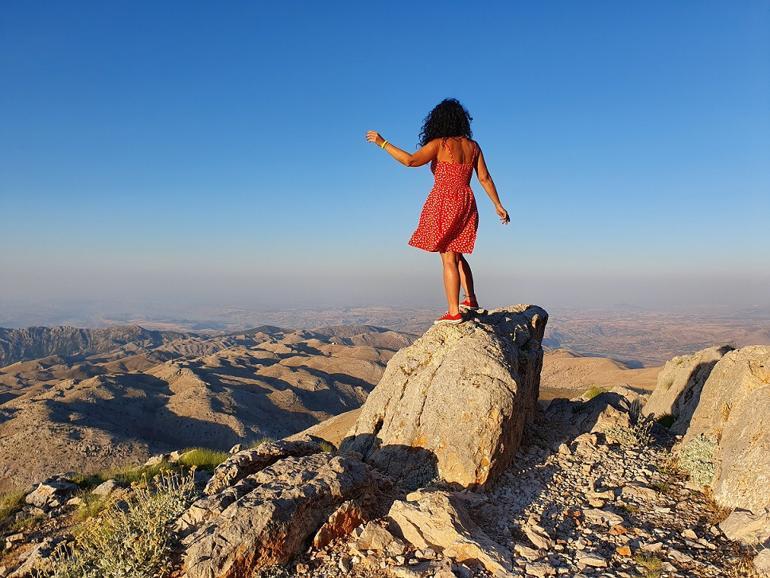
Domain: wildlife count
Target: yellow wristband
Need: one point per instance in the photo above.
(384, 143)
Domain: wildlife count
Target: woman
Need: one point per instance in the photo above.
(449, 218)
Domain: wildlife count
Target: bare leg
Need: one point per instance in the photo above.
(451, 281)
(466, 278)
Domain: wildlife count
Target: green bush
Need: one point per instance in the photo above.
(696, 458)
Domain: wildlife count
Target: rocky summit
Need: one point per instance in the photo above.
(453, 405)
(453, 468)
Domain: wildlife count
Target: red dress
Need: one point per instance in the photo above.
(449, 218)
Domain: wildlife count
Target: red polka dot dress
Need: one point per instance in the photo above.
(449, 218)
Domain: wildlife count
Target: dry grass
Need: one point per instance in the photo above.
(10, 503)
(133, 539)
(593, 391)
(202, 458)
(652, 566)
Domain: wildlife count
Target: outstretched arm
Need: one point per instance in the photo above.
(489, 186)
(422, 156)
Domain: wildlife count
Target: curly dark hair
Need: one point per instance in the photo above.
(448, 118)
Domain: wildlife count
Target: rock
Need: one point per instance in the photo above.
(747, 527)
(639, 492)
(454, 404)
(374, 537)
(602, 517)
(623, 550)
(51, 493)
(156, 460)
(105, 488)
(340, 523)
(250, 461)
(438, 520)
(590, 559)
(762, 563)
(540, 570)
(734, 408)
(283, 505)
(538, 536)
(679, 386)
(36, 560)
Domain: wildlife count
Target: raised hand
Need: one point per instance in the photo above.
(374, 136)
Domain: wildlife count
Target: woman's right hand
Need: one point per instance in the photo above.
(503, 214)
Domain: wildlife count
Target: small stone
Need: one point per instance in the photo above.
(689, 534)
(538, 536)
(105, 488)
(623, 551)
(539, 570)
(526, 552)
(594, 560)
(618, 530)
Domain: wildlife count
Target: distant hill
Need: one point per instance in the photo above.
(98, 398)
(35, 342)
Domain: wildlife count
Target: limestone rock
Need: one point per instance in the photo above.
(679, 386)
(747, 527)
(340, 523)
(249, 461)
(734, 409)
(51, 492)
(454, 404)
(274, 520)
(762, 563)
(105, 488)
(438, 520)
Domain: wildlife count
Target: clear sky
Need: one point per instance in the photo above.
(215, 152)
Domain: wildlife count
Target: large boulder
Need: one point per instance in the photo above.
(679, 386)
(279, 510)
(734, 412)
(454, 404)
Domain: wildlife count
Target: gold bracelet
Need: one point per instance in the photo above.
(382, 146)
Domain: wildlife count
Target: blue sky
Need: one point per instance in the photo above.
(215, 151)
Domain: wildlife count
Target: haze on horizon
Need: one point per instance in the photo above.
(189, 157)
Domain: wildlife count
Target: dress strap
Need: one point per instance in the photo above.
(451, 156)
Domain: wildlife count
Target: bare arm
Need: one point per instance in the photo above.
(422, 156)
(489, 186)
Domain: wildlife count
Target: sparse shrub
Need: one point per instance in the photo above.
(593, 391)
(260, 441)
(651, 564)
(130, 540)
(124, 475)
(666, 420)
(639, 432)
(202, 458)
(91, 505)
(630, 508)
(326, 446)
(696, 458)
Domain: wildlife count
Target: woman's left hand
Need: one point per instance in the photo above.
(374, 136)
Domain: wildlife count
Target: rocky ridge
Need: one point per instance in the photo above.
(589, 488)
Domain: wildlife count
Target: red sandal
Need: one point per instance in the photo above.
(447, 318)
